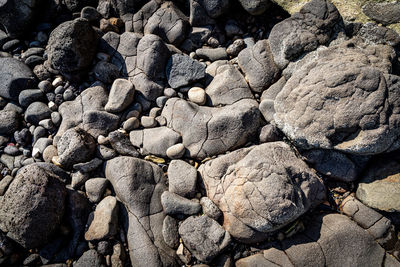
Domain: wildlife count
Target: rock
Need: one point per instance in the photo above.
(182, 70)
(341, 74)
(210, 209)
(258, 199)
(40, 145)
(90, 13)
(89, 166)
(198, 15)
(258, 65)
(176, 151)
(109, 8)
(120, 142)
(75, 146)
(49, 152)
(131, 124)
(148, 122)
(105, 221)
(36, 112)
(234, 49)
(78, 179)
(16, 16)
(374, 34)
(170, 232)
(142, 16)
(28, 96)
(141, 195)
(98, 123)
(228, 86)
(204, 237)
(121, 96)
(385, 13)
(212, 54)
(379, 185)
(182, 178)
(176, 205)
(169, 23)
(214, 8)
(15, 77)
(255, 7)
(211, 131)
(5, 183)
(90, 258)
(95, 188)
(303, 32)
(106, 72)
(269, 133)
(154, 141)
(9, 121)
(72, 47)
(197, 95)
(33, 206)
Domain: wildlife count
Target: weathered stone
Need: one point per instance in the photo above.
(215, 8)
(183, 70)
(121, 96)
(182, 178)
(95, 188)
(90, 258)
(170, 232)
(385, 13)
(17, 16)
(120, 142)
(9, 121)
(176, 205)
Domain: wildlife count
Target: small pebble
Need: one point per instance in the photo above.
(169, 92)
(197, 95)
(154, 112)
(176, 151)
(131, 124)
(148, 122)
(57, 81)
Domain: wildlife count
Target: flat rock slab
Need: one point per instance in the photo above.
(261, 189)
(316, 107)
(208, 131)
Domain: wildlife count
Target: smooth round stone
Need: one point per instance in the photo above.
(133, 114)
(154, 112)
(148, 122)
(8, 46)
(68, 95)
(11, 150)
(131, 124)
(56, 118)
(102, 140)
(90, 13)
(197, 95)
(169, 92)
(59, 90)
(28, 96)
(52, 106)
(57, 81)
(47, 124)
(95, 188)
(36, 112)
(49, 152)
(160, 101)
(176, 151)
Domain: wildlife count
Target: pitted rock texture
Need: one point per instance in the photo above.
(139, 184)
(303, 31)
(261, 189)
(33, 206)
(343, 99)
(210, 131)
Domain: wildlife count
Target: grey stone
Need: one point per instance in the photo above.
(228, 86)
(105, 72)
(210, 131)
(269, 133)
(75, 146)
(141, 195)
(303, 32)
(95, 188)
(105, 153)
(98, 123)
(16, 16)
(89, 166)
(234, 49)
(15, 77)
(385, 13)
(121, 96)
(45, 86)
(4, 183)
(90, 13)
(40, 145)
(105, 221)
(90, 258)
(258, 197)
(182, 178)
(176, 205)
(197, 95)
(9, 122)
(215, 8)
(72, 47)
(379, 185)
(154, 141)
(255, 7)
(182, 70)
(258, 65)
(36, 112)
(30, 95)
(142, 16)
(49, 152)
(131, 124)
(169, 23)
(341, 75)
(78, 179)
(109, 8)
(33, 206)
(176, 151)
(210, 209)
(212, 54)
(198, 15)
(148, 122)
(120, 142)
(204, 237)
(170, 232)
(374, 34)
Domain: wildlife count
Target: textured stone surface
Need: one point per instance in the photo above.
(385, 13)
(183, 70)
(255, 7)
(9, 121)
(268, 187)
(182, 178)
(121, 96)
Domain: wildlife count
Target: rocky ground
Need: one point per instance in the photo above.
(198, 133)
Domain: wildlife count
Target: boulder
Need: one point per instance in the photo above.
(267, 187)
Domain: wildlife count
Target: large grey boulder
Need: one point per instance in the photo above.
(204, 237)
(258, 65)
(33, 206)
(15, 76)
(210, 131)
(16, 16)
(139, 184)
(261, 189)
(303, 31)
(317, 106)
(169, 23)
(72, 47)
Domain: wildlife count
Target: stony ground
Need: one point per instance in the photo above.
(198, 133)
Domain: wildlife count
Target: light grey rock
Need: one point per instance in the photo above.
(212, 54)
(270, 133)
(75, 146)
(315, 108)
(258, 198)
(141, 195)
(303, 32)
(197, 95)
(36, 112)
(182, 178)
(49, 152)
(210, 131)
(210, 209)
(40, 145)
(182, 70)
(204, 237)
(121, 96)
(374, 34)
(154, 141)
(176, 205)
(131, 124)
(95, 188)
(258, 65)
(255, 7)
(9, 122)
(176, 151)
(33, 206)
(105, 221)
(78, 179)
(148, 122)
(170, 232)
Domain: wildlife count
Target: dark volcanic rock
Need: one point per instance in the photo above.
(16, 16)
(32, 207)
